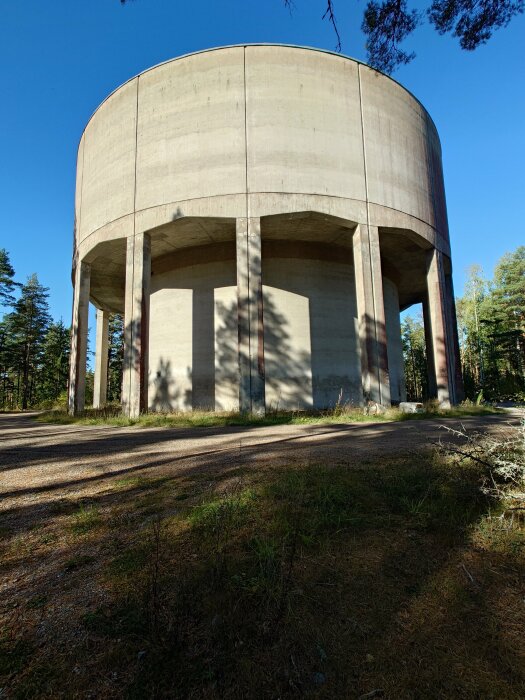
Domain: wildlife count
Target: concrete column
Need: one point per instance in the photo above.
(371, 315)
(431, 369)
(136, 325)
(440, 328)
(459, 392)
(250, 316)
(100, 386)
(79, 337)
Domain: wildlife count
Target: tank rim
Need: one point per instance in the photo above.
(239, 46)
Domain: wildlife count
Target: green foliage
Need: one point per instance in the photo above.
(85, 519)
(491, 318)
(491, 329)
(415, 359)
(7, 284)
(473, 23)
(232, 507)
(472, 334)
(54, 368)
(115, 357)
(34, 350)
(508, 294)
(386, 24)
(24, 332)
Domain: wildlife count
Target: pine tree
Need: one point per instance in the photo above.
(55, 362)
(7, 284)
(115, 357)
(27, 325)
(508, 293)
(8, 398)
(7, 299)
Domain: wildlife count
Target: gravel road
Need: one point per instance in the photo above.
(43, 461)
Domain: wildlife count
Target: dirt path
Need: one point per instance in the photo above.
(39, 462)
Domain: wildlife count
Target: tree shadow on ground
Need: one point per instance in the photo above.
(323, 580)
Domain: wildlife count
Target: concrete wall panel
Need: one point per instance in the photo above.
(303, 123)
(78, 190)
(191, 129)
(402, 148)
(193, 338)
(311, 348)
(310, 342)
(108, 183)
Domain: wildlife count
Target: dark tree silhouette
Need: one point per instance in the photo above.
(387, 23)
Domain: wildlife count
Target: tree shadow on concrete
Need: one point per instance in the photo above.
(166, 395)
(287, 371)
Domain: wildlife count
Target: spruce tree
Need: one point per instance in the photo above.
(27, 325)
(7, 284)
(55, 362)
(115, 357)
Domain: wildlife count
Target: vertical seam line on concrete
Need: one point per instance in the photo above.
(245, 134)
(131, 362)
(368, 237)
(247, 234)
(135, 164)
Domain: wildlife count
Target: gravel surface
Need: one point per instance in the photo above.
(39, 462)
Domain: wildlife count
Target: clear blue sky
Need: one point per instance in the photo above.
(60, 58)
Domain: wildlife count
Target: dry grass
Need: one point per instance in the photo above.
(310, 581)
(111, 415)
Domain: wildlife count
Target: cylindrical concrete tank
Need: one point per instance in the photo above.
(260, 214)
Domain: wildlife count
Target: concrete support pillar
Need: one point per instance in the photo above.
(136, 325)
(371, 315)
(79, 337)
(440, 328)
(431, 369)
(459, 392)
(100, 386)
(250, 316)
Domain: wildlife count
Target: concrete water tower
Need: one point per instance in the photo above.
(260, 215)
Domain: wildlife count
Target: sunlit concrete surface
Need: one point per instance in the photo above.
(260, 214)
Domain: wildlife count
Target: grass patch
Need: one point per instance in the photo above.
(85, 519)
(218, 419)
(232, 508)
(78, 562)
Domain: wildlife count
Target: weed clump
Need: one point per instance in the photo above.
(85, 519)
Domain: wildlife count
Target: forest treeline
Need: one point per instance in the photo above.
(34, 348)
(491, 327)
